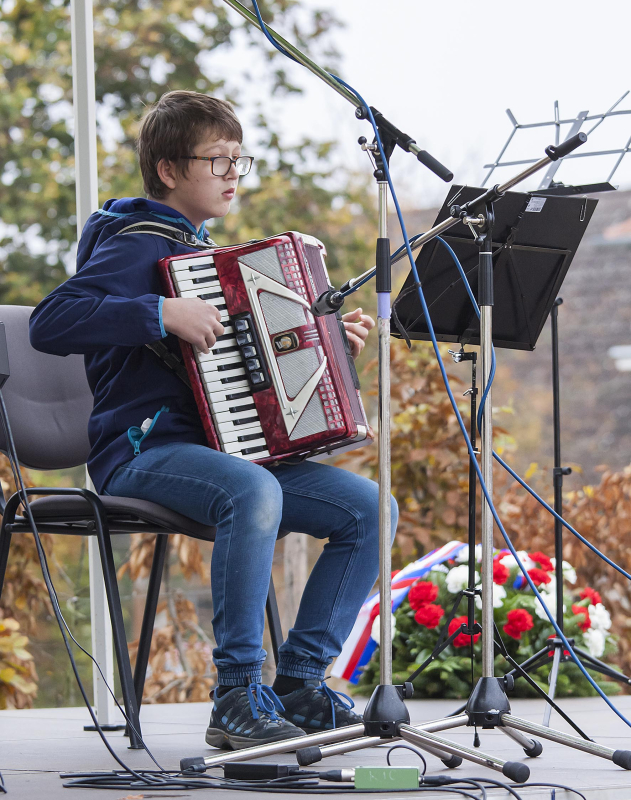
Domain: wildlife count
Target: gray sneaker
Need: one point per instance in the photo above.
(316, 707)
(246, 716)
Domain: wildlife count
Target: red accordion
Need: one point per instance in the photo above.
(280, 382)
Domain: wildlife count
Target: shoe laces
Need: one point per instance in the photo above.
(336, 698)
(264, 699)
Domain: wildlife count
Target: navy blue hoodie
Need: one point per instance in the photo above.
(108, 311)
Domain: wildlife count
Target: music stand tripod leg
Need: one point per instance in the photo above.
(554, 672)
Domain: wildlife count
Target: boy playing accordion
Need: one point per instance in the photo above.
(190, 157)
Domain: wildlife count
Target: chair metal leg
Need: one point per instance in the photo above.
(118, 629)
(5, 544)
(149, 616)
(273, 620)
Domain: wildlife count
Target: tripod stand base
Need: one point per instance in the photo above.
(386, 709)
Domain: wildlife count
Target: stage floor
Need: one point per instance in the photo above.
(36, 745)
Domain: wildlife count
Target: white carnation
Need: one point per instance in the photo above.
(600, 617)
(551, 602)
(511, 562)
(375, 631)
(463, 555)
(569, 573)
(499, 595)
(458, 578)
(595, 641)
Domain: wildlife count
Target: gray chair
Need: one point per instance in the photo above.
(48, 403)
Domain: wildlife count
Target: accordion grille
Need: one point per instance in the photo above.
(296, 368)
(266, 262)
(312, 420)
(280, 313)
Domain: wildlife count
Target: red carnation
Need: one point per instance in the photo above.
(539, 576)
(500, 573)
(462, 639)
(543, 561)
(586, 624)
(517, 621)
(429, 615)
(592, 595)
(421, 593)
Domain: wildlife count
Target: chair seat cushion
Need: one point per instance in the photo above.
(61, 508)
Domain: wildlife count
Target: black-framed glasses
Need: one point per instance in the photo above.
(220, 165)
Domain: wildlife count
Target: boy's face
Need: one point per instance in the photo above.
(199, 195)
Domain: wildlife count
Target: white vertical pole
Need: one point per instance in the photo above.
(86, 177)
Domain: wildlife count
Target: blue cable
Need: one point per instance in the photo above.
(511, 472)
(450, 394)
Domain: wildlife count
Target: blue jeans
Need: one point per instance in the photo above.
(248, 504)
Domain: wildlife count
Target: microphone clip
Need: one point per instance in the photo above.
(329, 302)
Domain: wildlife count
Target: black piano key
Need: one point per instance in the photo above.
(248, 450)
(227, 367)
(220, 350)
(233, 379)
(245, 421)
(249, 437)
(238, 395)
(210, 295)
(236, 409)
(197, 267)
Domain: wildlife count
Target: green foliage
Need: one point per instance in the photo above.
(143, 49)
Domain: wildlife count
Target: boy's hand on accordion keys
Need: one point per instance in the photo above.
(193, 320)
(357, 327)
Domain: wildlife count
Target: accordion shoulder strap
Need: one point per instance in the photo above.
(168, 359)
(168, 232)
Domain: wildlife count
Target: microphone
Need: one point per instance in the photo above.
(328, 303)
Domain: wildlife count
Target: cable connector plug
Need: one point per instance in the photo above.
(195, 764)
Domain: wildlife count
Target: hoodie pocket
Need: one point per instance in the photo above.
(137, 435)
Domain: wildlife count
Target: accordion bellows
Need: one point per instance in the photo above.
(280, 383)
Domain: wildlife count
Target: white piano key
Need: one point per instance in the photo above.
(226, 350)
(218, 346)
(186, 283)
(227, 332)
(185, 264)
(227, 363)
(225, 393)
(217, 385)
(252, 456)
(197, 280)
(224, 406)
(228, 428)
(236, 447)
(227, 437)
(203, 288)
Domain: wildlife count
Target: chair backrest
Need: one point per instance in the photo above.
(48, 400)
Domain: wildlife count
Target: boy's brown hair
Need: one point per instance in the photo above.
(174, 126)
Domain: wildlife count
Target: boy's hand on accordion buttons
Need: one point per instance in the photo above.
(357, 327)
(193, 320)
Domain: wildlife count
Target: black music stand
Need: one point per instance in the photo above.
(534, 241)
